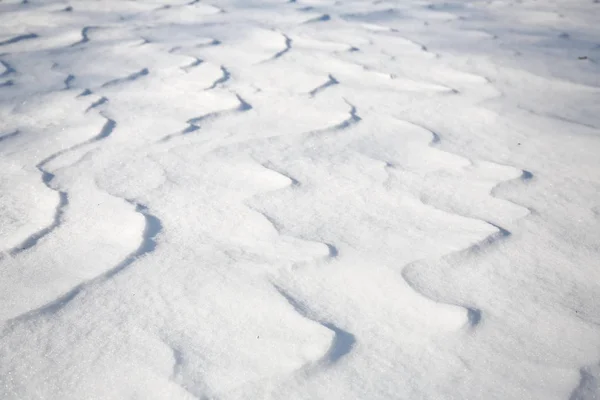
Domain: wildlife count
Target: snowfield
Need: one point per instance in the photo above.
(305, 199)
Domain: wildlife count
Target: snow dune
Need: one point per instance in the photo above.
(299, 199)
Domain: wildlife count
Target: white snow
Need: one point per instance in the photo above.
(306, 199)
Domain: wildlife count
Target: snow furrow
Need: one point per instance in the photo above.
(86, 92)
(293, 181)
(8, 69)
(63, 202)
(63, 197)
(97, 103)
(84, 36)
(191, 65)
(224, 78)
(195, 123)
(69, 81)
(19, 38)
(321, 18)
(352, 120)
(342, 344)
(288, 46)
(129, 78)
(153, 227)
(330, 82)
(8, 136)
(474, 314)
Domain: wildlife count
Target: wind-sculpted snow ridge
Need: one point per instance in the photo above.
(97, 103)
(352, 120)
(270, 166)
(299, 200)
(68, 81)
(8, 136)
(195, 123)
(288, 46)
(84, 36)
(8, 69)
(129, 78)
(19, 38)
(86, 92)
(60, 208)
(152, 229)
(224, 78)
(321, 18)
(474, 314)
(342, 342)
(191, 65)
(63, 201)
(330, 82)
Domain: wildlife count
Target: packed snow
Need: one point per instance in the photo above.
(304, 199)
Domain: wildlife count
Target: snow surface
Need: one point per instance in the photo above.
(310, 199)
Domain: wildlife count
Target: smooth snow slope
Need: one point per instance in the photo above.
(309, 199)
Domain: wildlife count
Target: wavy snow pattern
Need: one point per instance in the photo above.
(289, 155)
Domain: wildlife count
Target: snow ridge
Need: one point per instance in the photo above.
(285, 200)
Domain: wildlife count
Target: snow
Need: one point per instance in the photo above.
(299, 200)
